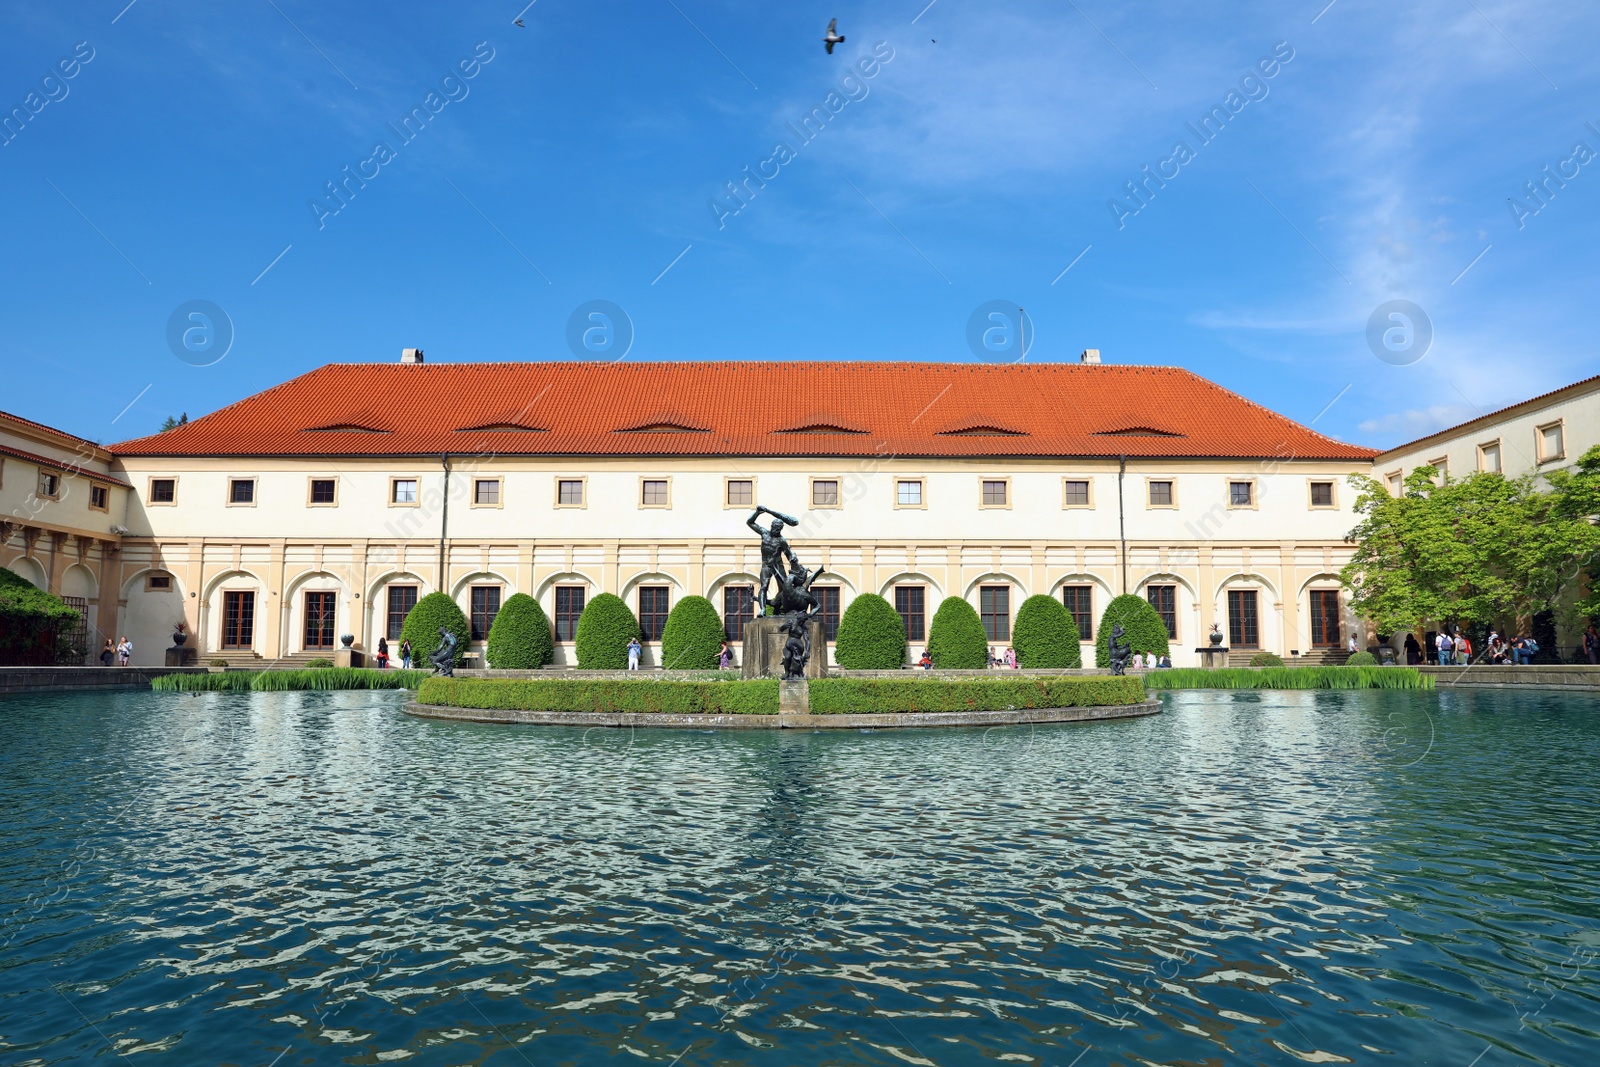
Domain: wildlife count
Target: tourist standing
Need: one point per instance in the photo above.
(108, 654)
(1442, 644)
(633, 653)
(1352, 644)
(124, 651)
(1413, 650)
(383, 653)
(1591, 645)
(1463, 649)
(405, 653)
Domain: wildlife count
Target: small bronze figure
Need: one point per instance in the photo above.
(1119, 650)
(443, 658)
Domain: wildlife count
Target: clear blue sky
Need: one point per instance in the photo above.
(975, 165)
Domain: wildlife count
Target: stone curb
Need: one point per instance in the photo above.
(893, 720)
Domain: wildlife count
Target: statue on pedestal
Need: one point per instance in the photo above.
(793, 600)
(443, 658)
(774, 551)
(1119, 650)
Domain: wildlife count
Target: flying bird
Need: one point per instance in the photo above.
(834, 36)
(520, 23)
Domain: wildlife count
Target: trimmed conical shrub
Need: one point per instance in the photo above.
(956, 638)
(422, 624)
(872, 636)
(692, 638)
(520, 638)
(1145, 630)
(604, 630)
(1045, 635)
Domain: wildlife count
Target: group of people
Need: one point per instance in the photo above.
(1007, 660)
(1452, 648)
(120, 653)
(382, 656)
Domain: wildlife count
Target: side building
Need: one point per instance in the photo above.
(61, 516)
(327, 505)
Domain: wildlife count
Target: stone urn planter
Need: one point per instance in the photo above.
(1216, 637)
(347, 640)
(179, 638)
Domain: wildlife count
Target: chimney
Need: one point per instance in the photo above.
(411, 355)
(1090, 355)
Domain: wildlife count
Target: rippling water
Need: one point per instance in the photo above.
(298, 878)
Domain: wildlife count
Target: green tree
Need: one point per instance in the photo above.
(520, 637)
(872, 636)
(692, 638)
(30, 620)
(1045, 635)
(1576, 500)
(604, 630)
(956, 638)
(422, 624)
(1145, 630)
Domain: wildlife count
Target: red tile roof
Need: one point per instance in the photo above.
(746, 409)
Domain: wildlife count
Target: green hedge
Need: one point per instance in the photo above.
(866, 696)
(520, 638)
(604, 630)
(1266, 659)
(692, 638)
(282, 681)
(956, 638)
(1145, 630)
(1289, 678)
(872, 636)
(422, 624)
(757, 697)
(30, 618)
(1045, 635)
(1361, 659)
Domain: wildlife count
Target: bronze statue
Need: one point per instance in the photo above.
(797, 646)
(774, 551)
(1119, 650)
(443, 658)
(794, 599)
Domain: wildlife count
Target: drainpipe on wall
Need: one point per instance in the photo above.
(1122, 524)
(444, 523)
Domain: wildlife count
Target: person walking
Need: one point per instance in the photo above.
(383, 653)
(1352, 644)
(1413, 651)
(1591, 645)
(1442, 645)
(108, 655)
(1463, 649)
(124, 651)
(405, 653)
(633, 653)
(725, 658)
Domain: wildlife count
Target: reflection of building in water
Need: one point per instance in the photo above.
(329, 504)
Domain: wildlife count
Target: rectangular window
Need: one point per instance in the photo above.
(1161, 494)
(486, 492)
(402, 598)
(1397, 483)
(1441, 468)
(738, 608)
(1079, 600)
(994, 493)
(741, 492)
(242, 491)
(569, 606)
(163, 490)
(908, 493)
(911, 601)
(1243, 625)
(994, 608)
(828, 605)
(320, 607)
(1322, 494)
(1240, 494)
(824, 493)
(238, 620)
(403, 491)
(1164, 598)
(323, 490)
(99, 498)
(485, 606)
(653, 608)
(1489, 457)
(1325, 618)
(1075, 494)
(654, 493)
(158, 583)
(569, 492)
(1552, 442)
(49, 485)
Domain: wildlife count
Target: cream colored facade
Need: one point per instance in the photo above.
(282, 544)
(60, 510)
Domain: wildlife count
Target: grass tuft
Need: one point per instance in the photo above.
(1289, 678)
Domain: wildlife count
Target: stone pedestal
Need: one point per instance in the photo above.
(1213, 656)
(794, 698)
(180, 656)
(763, 649)
(349, 657)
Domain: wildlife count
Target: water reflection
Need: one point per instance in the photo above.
(1255, 877)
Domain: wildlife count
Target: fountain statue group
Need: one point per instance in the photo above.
(794, 602)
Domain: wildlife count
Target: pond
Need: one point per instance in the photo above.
(1260, 878)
